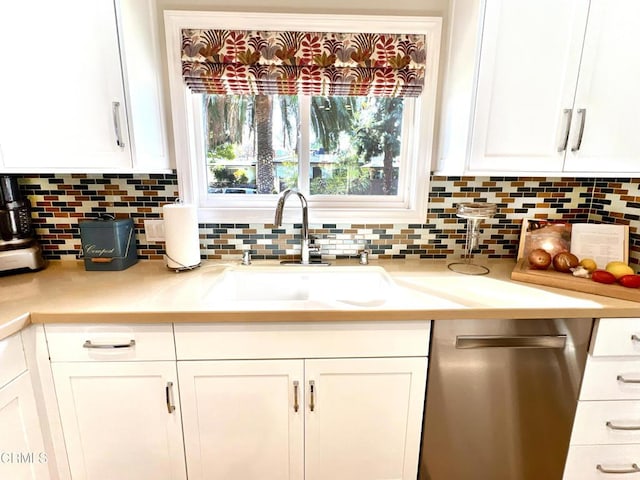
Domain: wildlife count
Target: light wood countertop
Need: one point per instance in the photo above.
(148, 292)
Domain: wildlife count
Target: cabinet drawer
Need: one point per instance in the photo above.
(583, 461)
(99, 342)
(617, 337)
(302, 340)
(611, 378)
(606, 422)
(12, 361)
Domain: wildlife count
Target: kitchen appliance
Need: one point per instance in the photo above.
(501, 398)
(19, 248)
(474, 213)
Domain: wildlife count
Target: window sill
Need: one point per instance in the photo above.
(293, 214)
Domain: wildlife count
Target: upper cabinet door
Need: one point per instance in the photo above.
(529, 62)
(604, 134)
(61, 90)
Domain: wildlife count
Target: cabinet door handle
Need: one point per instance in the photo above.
(566, 113)
(169, 397)
(88, 344)
(115, 109)
(312, 395)
(613, 426)
(622, 379)
(635, 338)
(583, 118)
(296, 405)
(633, 469)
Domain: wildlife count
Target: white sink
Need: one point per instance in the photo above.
(358, 285)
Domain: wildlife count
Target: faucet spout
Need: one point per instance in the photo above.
(305, 220)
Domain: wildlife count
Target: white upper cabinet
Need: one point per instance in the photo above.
(529, 64)
(64, 102)
(557, 88)
(607, 105)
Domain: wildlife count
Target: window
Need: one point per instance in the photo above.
(357, 158)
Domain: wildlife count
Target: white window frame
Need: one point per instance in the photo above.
(409, 206)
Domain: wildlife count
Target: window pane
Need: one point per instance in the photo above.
(355, 145)
(251, 143)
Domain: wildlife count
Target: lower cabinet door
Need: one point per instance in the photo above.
(121, 420)
(363, 418)
(22, 454)
(243, 420)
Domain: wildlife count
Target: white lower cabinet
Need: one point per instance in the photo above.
(241, 401)
(317, 419)
(121, 420)
(22, 452)
(605, 441)
(366, 418)
(598, 462)
(285, 414)
(243, 419)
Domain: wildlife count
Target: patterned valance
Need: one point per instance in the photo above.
(291, 63)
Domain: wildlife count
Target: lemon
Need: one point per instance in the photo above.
(619, 269)
(589, 264)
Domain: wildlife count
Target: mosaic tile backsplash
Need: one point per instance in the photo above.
(60, 201)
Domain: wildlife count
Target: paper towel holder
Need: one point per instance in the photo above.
(179, 265)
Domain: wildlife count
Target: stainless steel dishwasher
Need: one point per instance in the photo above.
(501, 397)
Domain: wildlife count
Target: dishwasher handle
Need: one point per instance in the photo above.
(511, 341)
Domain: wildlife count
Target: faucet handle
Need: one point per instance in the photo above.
(364, 257)
(313, 246)
(246, 257)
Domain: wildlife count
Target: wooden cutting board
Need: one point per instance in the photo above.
(551, 278)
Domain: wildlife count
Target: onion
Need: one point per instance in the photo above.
(565, 261)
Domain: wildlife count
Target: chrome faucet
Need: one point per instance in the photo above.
(305, 242)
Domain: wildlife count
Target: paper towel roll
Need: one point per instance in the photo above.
(182, 242)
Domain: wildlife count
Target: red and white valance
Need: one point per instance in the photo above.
(290, 63)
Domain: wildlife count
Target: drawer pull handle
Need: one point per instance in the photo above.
(613, 426)
(635, 338)
(312, 395)
(88, 344)
(620, 378)
(634, 469)
(168, 396)
(296, 405)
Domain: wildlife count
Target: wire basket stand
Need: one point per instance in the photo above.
(474, 213)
